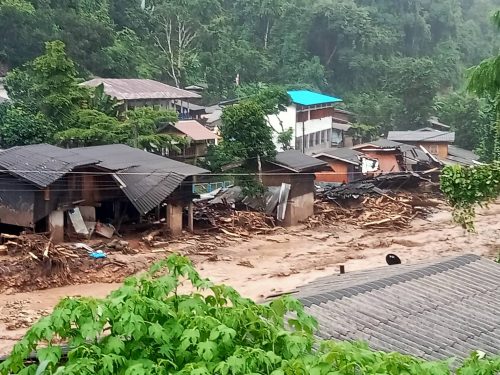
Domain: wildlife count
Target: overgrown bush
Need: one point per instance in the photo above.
(149, 326)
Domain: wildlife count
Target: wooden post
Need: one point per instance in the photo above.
(191, 217)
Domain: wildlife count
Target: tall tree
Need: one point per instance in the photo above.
(485, 81)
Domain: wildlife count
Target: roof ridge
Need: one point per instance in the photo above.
(425, 269)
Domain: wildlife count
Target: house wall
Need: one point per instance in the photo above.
(300, 205)
(387, 161)
(17, 202)
(339, 173)
(317, 132)
(437, 149)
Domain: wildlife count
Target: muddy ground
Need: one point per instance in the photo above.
(267, 265)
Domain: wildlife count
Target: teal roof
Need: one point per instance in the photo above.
(305, 97)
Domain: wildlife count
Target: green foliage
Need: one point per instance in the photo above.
(471, 119)
(101, 102)
(364, 132)
(48, 85)
(344, 47)
(150, 326)
(467, 187)
(245, 131)
(20, 127)
(140, 130)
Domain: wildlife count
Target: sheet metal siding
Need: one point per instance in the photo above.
(17, 201)
(57, 193)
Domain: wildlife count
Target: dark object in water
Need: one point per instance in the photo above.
(392, 259)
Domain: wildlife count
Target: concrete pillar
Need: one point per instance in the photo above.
(174, 219)
(191, 217)
(56, 226)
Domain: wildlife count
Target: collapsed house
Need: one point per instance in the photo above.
(112, 184)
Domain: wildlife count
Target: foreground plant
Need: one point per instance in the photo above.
(149, 327)
(469, 187)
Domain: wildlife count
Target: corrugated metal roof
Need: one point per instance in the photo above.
(297, 161)
(149, 179)
(380, 143)
(305, 97)
(194, 130)
(140, 89)
(462, 153)
(42, 164)
(433, 310)
(346, 154)
(422, 135)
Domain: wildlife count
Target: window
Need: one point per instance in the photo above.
(311, 140)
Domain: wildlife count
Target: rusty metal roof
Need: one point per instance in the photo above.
(140, 89)
(194, 130)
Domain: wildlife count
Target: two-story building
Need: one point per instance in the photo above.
(311, 117)
(145, 92)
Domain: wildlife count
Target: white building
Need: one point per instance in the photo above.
(315, 123)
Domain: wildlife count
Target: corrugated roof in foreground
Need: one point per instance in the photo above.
(140, 89)
(296, 161)
(42, 164)
(148, 179)
(433, 310)
(306, 97)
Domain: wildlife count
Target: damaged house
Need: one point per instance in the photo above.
(347, 165)
(107, 184)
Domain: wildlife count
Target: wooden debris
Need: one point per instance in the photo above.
(234, 223)
(374, 212)
(245, 263)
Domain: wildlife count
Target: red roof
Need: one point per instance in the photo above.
(194, 130)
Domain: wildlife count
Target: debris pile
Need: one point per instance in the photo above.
(233, 222)
(371, 186)
(374, 211)
(34, 262)
(37, 247)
